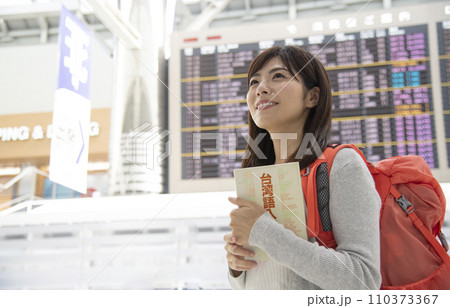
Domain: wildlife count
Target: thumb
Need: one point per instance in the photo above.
(240, 202)
(234, 200)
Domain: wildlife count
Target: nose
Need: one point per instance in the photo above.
(263, 88)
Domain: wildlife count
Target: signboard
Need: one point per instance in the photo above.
(71, 112)
(25, 138)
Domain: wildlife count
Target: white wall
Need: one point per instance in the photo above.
(28, 77)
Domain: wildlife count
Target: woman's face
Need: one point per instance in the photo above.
(276, 100)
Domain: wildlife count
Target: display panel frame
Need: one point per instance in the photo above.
(428, 14)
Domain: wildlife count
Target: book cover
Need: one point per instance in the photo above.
(278, 188)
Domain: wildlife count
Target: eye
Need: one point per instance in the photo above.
(278, 75)
(253, 82)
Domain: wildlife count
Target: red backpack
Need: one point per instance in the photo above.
(412, 214)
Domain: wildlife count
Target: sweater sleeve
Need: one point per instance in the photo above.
(237, 283)
(354, 211)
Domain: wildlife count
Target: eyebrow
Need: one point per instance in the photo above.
(272, 71)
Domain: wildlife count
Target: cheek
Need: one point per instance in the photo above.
(250, 101)
(249, 96)
(292, 86)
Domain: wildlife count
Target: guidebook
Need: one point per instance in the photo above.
(278, 188)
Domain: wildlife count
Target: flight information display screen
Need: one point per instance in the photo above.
(381, 87)
(214, 88)
(443, 30)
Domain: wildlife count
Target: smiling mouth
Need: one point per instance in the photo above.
(266, 105)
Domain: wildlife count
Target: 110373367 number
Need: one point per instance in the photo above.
(393, 299)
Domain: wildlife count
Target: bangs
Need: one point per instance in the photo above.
(295, 63)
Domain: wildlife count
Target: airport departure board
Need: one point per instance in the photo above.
(381, 87)
(390, 78)
(443, 30)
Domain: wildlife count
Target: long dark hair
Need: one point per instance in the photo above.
(307, 68)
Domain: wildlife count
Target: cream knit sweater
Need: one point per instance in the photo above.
(299, 264)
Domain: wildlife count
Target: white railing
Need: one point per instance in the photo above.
(159, 242)
(167, 254)
(129, 242)
(28, 171)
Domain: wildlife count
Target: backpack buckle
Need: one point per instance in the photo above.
(404, 203)
(307, 170)
(443, 240)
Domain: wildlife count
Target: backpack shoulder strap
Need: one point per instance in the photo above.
(332, 149)
(315, 184)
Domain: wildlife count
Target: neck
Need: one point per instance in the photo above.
(285, 145)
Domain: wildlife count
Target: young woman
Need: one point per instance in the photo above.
(289, 92)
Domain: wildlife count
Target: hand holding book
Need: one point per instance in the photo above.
(236, 256)
(243, 218)
(276, 189)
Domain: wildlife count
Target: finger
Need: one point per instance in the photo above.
(233, 200)
(241, 262)
(240, 269)
(239, 201)
(229, 248)
(230, 238)
(241, 242)
(234, 214)
(241, 251)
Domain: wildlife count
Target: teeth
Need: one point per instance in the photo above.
(266, 104)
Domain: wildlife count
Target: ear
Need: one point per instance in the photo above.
(312, 98)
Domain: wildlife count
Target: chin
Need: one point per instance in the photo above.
(265, 122)
(265, 126)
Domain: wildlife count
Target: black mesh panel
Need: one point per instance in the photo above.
(323, 196)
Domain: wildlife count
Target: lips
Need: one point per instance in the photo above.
(265, 104)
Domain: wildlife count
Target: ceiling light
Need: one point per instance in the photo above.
(317, 26)
(386, 18)
(292, 29)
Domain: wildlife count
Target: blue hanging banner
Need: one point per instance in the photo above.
(72, 108)
(75, 41)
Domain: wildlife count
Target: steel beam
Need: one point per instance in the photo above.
(44, 28)
(112, 18)
(292, 10)
(35, 10)
(304, 6)
(37, 32)
(205, 18)
(3, 27)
